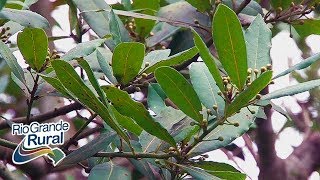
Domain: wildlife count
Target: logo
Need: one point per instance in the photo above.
(37, 141)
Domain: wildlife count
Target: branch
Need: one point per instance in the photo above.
(74, 137)
(136, 155)
(45, 116)
(5, 172)
(242, 6)
(8, 144)
(271, 166)
(305, 159)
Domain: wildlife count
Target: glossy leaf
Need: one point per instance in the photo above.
(221, 170)
(155, 101)
(83, 49)
(155, 56)
(127, 60)
(93, 80)
(252, 9)
(11, 61)
(54, 82)
(168, 117)
(127, 122)
(4, 81)
(208, 60)
(116, 29)
(258, 40)
(309, 27)
(109, 171)
(99, 21)
(24, 18)
(197, 173)
(105, 66)
(206, 87)
(73, 83)
(174, 60)
(135, 110)
(201, 5)
(228, 132)
(33, 45)
(292, 90)
(166, 31)
(249, 93)
(230, 44)
(302, 65)
(2, 3)
(91, 148)
(179, 90)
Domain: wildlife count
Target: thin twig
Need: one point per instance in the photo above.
(242, 6)
(73, 138)
(136, 155)
(45, 116)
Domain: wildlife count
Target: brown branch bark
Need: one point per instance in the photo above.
(43, 117)
(305, 158)
(270, 165)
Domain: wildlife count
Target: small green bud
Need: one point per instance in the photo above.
(144, 75)
(269, 66)
(249, 71)
(192, 123)
(215, 107)
(220, 138)
(147, 64)
(258, 96)
(263, 69)
(236, 124)
(256, 71)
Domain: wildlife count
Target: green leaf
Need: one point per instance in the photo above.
(166, 31)
(24, 18)
(94, 82)
(83, 49)
(127, 60)
(208, 59)
(135, 110)
(174, 60)
(104, 61)
(282, 3)
(197, 173)
(109, 171)
(54, 82)
(201, 5)
(230, 44)
(292, 90)
(249, 93)
(33, 45)
(127, 122)
(155, 101)
(155, 56)
(302, 65)
(99, 21)
(11, 61)
(168, 117)
(252, 9)
(126, 4)
(97, 144)
(206, 88)
(4, 81)
(116, 29)
(310, 26)
(150, 7)
(221, 170)
(73, 83)
(179, 90)
(228, 132)
(258, 40)
(2, 3)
